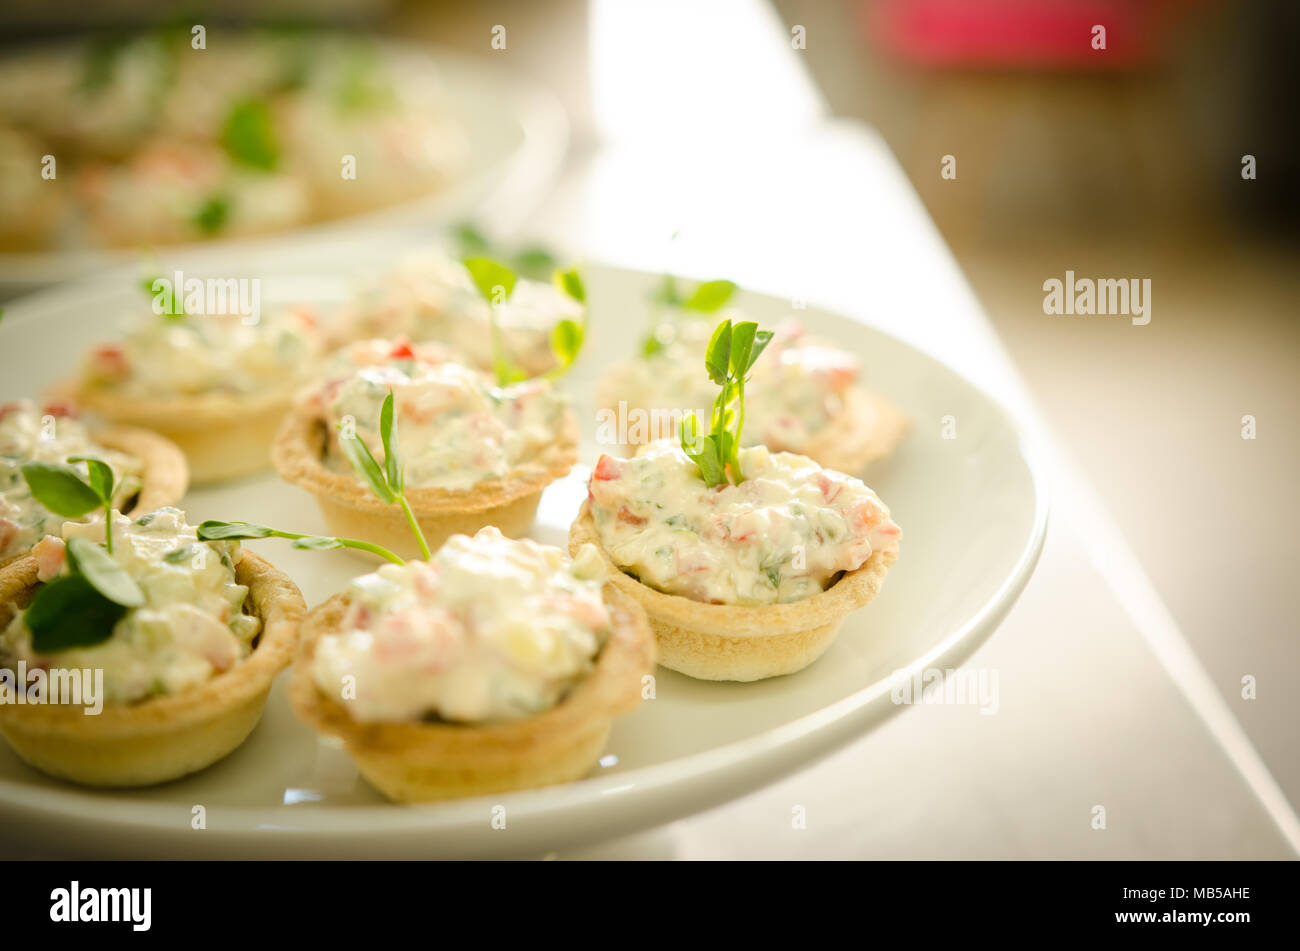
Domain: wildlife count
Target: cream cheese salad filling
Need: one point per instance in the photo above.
(455, 426)
(191, 354)
(430, 296)
(190, 628)
(795, 391)
(489, 629)
(47, 435)
(781, 535)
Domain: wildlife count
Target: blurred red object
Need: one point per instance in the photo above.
(1018, 34)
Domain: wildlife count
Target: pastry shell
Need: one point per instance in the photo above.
(223, 435)
(162, 738)
(164, 476)
(425, 762)
(867, 429)
(352, 511)
(741, 642)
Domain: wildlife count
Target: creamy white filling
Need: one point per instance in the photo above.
(197, 353)
(27, 435)
(190, 628)
(489, 629)
(781, 535)
(455, 428)
(796, 389)
(430, 296)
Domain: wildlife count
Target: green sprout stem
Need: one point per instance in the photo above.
(415, 525)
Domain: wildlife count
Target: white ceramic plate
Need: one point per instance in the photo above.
(518, 135)
(973, 511)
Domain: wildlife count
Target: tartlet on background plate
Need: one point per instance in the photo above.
(216, 386)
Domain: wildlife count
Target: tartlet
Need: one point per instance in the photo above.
(214, 385)
(741, 642)
(805, 397)
(166, 737)
(351, 510)
(868, 430)
(430, 296)
(464, 466)
(429, 761)
(222, 436)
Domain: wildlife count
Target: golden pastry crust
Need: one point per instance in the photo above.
(741, 642)
(425, 762)
(223, 435)
(352, 511)
(165, 737)
(164, 476)
(867, 429)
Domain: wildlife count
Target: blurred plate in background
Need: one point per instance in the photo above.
(517, 138)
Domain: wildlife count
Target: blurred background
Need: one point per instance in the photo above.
(1122, 162)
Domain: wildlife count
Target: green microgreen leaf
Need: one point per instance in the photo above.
(101, 476)
(494, 280)
(710, 296)
(570, 282)
(173, 298)
(363, 462)
(214, 530)
(101, 60)
(60, 489)
(703, 451)
(213, 214)
(566, 343)
(717, 357)
(761, 340)
(534, 262)
(70, 612)
(392, 465)
(667, 293)
(470, 240)
(249, 135)
(362, 85)
(106, 576)
(731, 353)
(742, 340)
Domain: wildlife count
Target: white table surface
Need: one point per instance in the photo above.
(1101, 701)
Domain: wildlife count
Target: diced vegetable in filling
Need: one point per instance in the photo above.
(490, 629)
(190, 627)
(455, 426)
(47, 435)
(783, 534)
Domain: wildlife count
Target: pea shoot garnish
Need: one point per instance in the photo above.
(79, 609)
(386, 481)
(496, 282)
(707, 298)
(731, 353)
